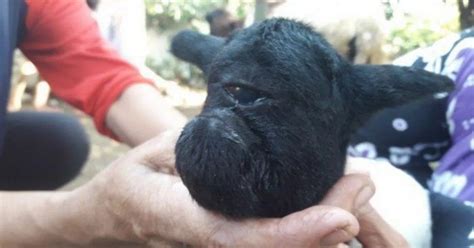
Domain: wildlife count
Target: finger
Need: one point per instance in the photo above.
(324, 225)
(182, 219)
(375, 232)
(301, 229)
(350, 193)
(158, 153)
(161, 243)
(305, 228)
(342, 245)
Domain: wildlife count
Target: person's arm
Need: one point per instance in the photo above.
(140, 114)
(53, 219)
(63, 41)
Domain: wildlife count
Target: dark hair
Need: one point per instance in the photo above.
(280, 110)
(92, 4)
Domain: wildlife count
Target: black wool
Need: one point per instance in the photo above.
(281, 108)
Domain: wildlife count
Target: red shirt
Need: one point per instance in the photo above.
(63, 41)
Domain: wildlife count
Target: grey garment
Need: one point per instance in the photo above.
(42, 150)
(12, 20)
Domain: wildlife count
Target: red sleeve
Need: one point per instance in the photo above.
(63, 41)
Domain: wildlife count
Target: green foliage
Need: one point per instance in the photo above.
(172, 15)
(418, 33)
(409, 31)
(173, 69)
(406, 31)
(165, 14)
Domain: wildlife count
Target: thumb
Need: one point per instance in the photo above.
(351, 192)
(375, 232)
(158, 153)
(305, 228)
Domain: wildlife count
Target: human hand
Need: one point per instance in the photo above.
(140, 205)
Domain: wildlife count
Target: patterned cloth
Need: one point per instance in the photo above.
(11, 29)
(455, 175)
(435, 133)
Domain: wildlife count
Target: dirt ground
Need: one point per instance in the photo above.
(103, 150)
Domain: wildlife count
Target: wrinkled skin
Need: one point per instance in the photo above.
(281, 107)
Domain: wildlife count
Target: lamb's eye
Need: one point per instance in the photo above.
(243, 95)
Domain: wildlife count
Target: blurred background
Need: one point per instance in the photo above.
(364, 31)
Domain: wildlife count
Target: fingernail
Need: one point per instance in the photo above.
(336, 237)
(363, 197)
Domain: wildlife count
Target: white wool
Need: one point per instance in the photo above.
(399, 199)
(339, 21)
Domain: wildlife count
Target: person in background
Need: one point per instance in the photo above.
(433, 139)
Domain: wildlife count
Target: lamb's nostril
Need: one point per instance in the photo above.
(226, 123)
(213, 122)
(225, 129)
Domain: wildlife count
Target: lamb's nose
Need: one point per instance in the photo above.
(218, 127)
(215, 161)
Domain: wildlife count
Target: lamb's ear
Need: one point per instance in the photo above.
(196, 48)
(370, 88)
